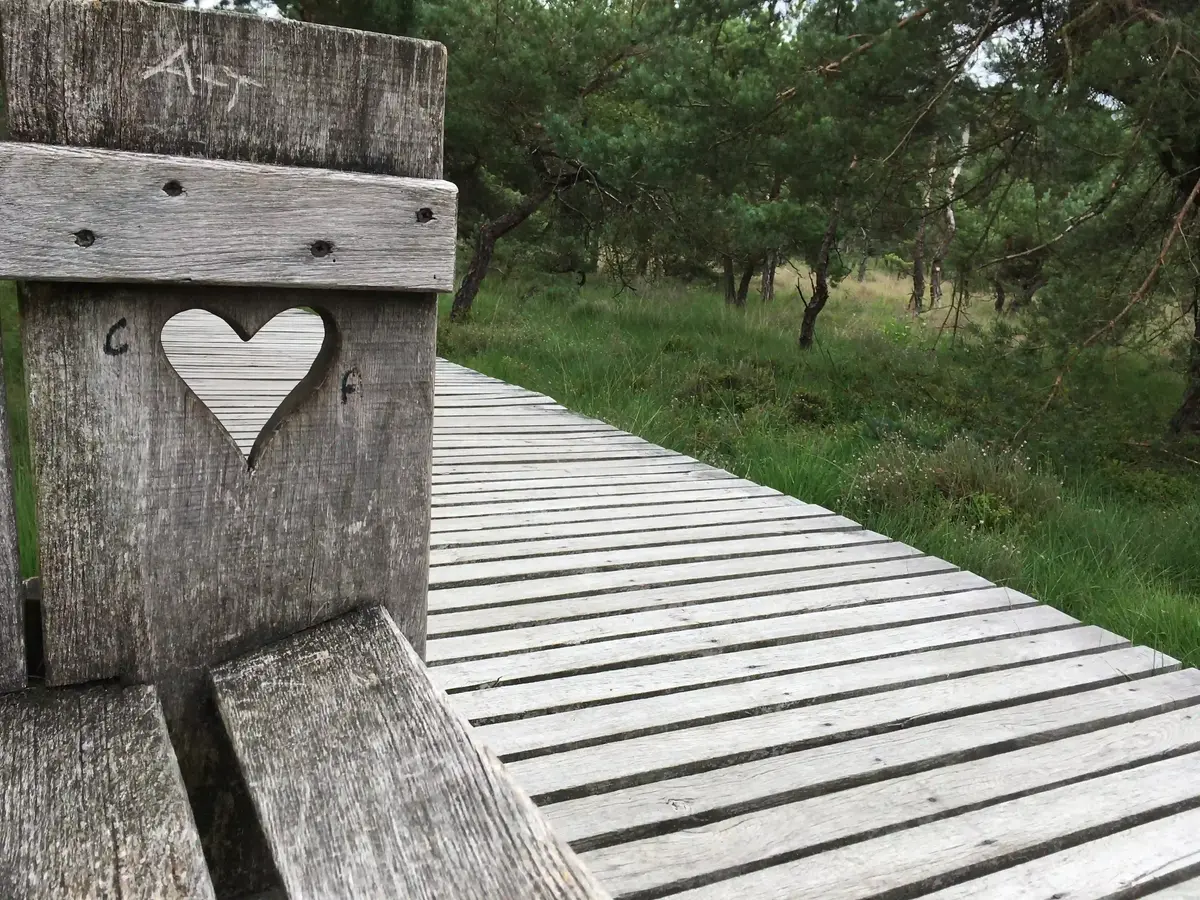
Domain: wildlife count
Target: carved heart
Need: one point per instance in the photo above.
(245, 382)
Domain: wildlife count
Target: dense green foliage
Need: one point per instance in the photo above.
(1043, 155)
(888, 424)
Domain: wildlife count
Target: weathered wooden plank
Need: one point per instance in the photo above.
(1118, 865)
(91, 800)
(162, 551)
(626, 558)
(812, 590)
(647, 715)
(650, 529)
(157, 78)
(630, 657)
(12, 594)
(638, 811)
(935, 854)
(448, 488)
(730, 666)
(666, 755)
(755, 839)
(627, 517)
(550, 503)
(773, 616)
(103, 215)
(863, 549)
(368, 784)
(543, 547)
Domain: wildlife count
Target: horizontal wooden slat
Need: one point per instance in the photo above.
(638, 811)
(76, 214)
(367, 784)
(642, 759)
(758, 838)
(954, 849)
(1117, 865)
(91, 800)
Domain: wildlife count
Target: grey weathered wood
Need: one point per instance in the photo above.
(1118, 865)
(861, 550)
(601, 819)
(91, 800)
(713, 624)
(457, 574)
(819, 590)
(647, 715)
(929, 856)
(161, 551)
(12, 593)
(169, 218)
(369, 785)
(163, 79)
(709, 746)
(742, 841)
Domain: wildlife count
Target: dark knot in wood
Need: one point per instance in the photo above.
(321, 249)
(172, 188)
(424, 214)
(85, 238)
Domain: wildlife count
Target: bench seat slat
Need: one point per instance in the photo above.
(367, 784)
(91, 800)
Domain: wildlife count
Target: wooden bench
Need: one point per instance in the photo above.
(234, 697)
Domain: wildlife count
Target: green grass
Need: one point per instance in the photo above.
(881, 421)
(14, 384)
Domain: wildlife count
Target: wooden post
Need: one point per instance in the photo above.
(163, 551)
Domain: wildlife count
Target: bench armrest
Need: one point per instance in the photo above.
(367, 783)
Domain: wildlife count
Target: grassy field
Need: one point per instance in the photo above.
(885, 420)
(908, 431)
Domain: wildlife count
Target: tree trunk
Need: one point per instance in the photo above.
(1187, 418)
(485, 245)
(939, 255)
(820, 296)
(862, 268)
(917, 301)
(999, 295)
(768, 277)
(730, 288)
(744, 285)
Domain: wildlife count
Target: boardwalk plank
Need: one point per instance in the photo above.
(732, 665)
(957, 848)
(752, 840)
(1115, 865)
(642, 759)
(811, 590)
(604, 819)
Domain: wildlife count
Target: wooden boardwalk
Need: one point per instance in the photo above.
(717, 691)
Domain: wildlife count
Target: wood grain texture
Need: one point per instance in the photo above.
(642, 759)
(394, 798)
(605, 819)
(91, 800)
(158, 78)
(741, 842)
(163, 219)
(1123, 864)
(12, 591)
(162, 552)
(955, 849)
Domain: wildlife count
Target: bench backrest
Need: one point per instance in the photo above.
(163, 548)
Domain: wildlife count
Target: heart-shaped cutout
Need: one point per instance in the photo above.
(249, 384)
